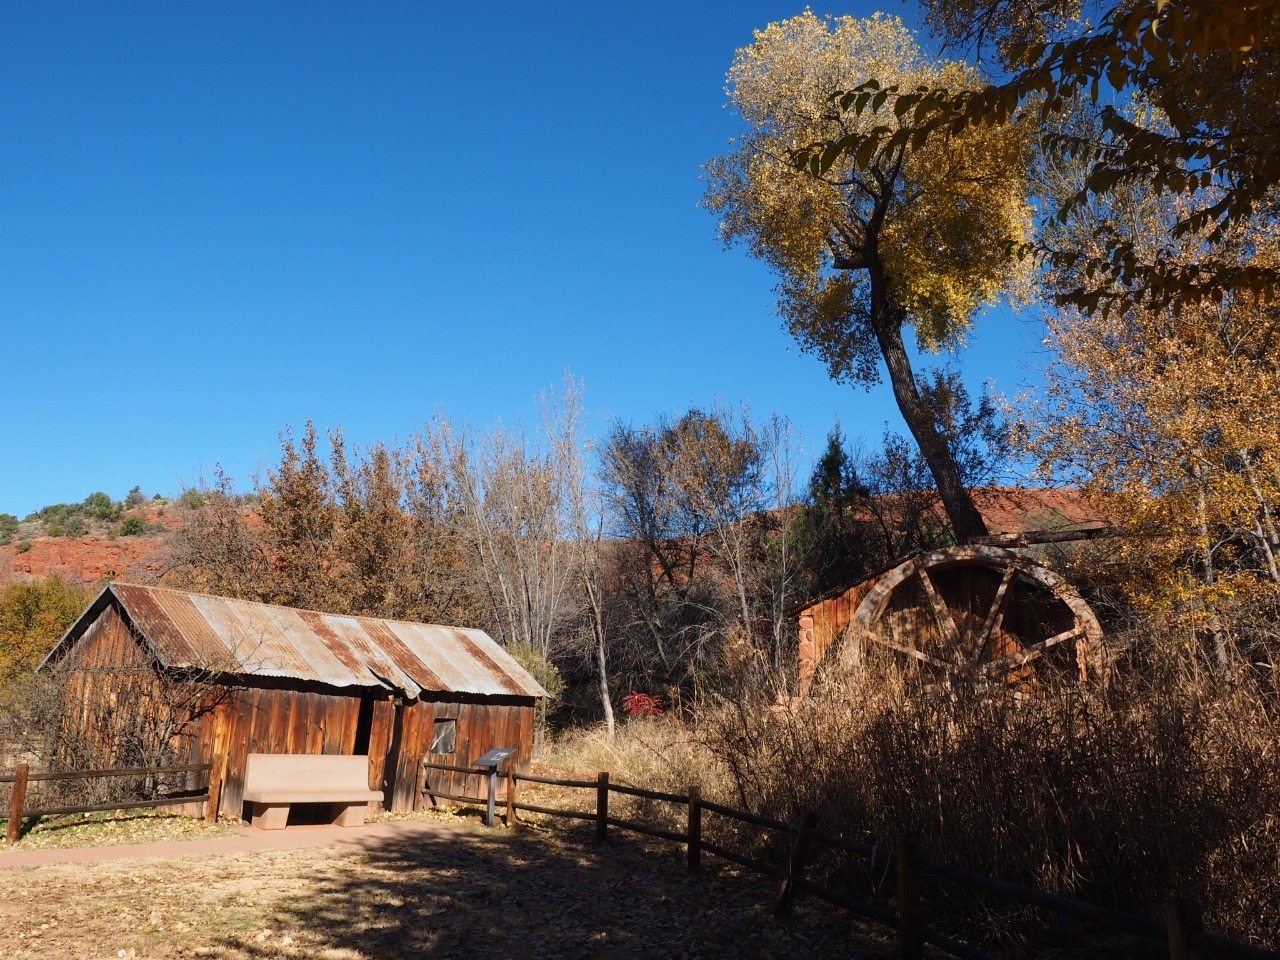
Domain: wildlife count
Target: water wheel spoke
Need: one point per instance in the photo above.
(995, 616)
(916, 654)
(946, 624)
(1027, 654)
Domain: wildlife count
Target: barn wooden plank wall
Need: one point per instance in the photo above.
(480, 728)
(110, 676)
(821, 625)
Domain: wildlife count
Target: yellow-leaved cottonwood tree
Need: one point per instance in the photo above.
(1168, 414)
(897, 236)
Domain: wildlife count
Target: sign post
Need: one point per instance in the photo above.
(490, 762)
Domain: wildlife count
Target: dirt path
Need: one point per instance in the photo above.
(426, 891)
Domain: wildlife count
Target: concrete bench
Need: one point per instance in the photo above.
(275, 781)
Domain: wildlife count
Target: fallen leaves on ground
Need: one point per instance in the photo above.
(110, 829)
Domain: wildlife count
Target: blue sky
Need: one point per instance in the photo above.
(219, 219)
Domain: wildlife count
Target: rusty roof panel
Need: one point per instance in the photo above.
(256, 639)
(422, 642)
(379, 665)
(317, 624)
(486, 657)
(170, 642)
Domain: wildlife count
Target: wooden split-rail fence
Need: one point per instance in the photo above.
(22, 775)
(1182, 932)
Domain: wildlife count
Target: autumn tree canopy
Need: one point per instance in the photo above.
(1167, 414)
(901, 235)
(33, 615)
(1210, 67)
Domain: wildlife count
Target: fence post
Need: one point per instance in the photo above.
(511, 799)
(422, 788)
(795, 865)
(695, 829)
(602, 806)
(215, 791)
(15, 807)
(1182, 918)
(908, 901)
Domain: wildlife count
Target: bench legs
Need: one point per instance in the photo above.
(269, 816)
(275, 816)
(349, 814)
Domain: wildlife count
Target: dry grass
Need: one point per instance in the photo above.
(660, 753)
(1168, 783)
(539, 893)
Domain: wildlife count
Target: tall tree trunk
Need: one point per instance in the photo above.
(595, 612)
(966, 521)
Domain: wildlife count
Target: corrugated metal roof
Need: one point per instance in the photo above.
(196, 631)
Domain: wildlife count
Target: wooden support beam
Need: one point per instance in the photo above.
(910, 942)
(602, 807)
(946, 625)
(996, 614)
(1182, 918)
(19, 797)
(215, 792)
(795, 864)
(1030, 653)
(511, 799)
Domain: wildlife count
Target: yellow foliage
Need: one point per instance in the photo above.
(936, 223)
(1170, 416)
(34, 614)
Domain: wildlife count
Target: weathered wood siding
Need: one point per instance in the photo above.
(113, 683)
(821, 626)
(265, 720)
(115, 696)
(481, 727)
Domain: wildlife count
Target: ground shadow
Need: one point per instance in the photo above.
(549, 894)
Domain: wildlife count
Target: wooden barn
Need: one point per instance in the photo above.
(186, 678)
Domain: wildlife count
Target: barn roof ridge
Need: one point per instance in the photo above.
(281, 606)
(186, 629)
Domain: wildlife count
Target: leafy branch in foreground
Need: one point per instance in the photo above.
(1209, 67)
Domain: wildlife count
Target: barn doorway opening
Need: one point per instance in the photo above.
(364, 727)
(389, 768)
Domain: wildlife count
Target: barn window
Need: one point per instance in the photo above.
(445, 737)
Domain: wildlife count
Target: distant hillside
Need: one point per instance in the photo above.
(126, 544)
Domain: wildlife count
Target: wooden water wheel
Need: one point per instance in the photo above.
(983, 613)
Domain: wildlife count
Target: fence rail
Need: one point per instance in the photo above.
(22, 775)
(1181, 932)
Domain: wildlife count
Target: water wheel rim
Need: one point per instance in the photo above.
(1086, 631)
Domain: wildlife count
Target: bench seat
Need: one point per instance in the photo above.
(311, 796)
(275, 781)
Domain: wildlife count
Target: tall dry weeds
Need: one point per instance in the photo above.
(1167, 782)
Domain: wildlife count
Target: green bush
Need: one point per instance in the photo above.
(8, 527)
(134, 526)
(547, 675)
(101, 507)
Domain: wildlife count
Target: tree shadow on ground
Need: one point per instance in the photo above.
(549, 894)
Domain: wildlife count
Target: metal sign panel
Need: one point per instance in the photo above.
(494, 757)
